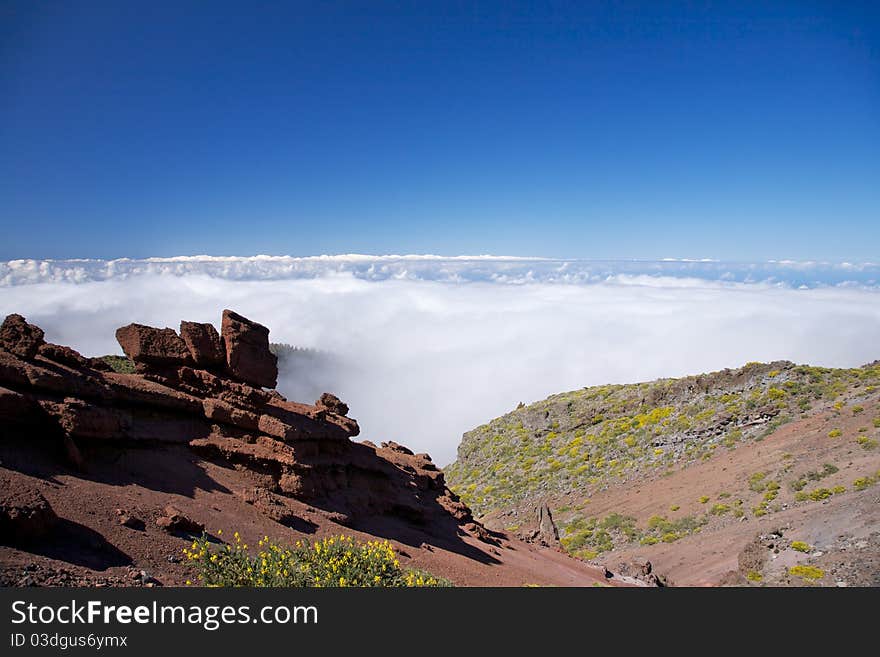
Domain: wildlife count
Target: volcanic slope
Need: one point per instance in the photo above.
(765, 474)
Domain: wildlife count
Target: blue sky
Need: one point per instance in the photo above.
(607, 130)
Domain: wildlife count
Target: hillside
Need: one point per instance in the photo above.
(676, 470)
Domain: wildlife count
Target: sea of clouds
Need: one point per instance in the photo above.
(424, 348)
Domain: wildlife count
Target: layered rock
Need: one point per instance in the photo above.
(197, 393)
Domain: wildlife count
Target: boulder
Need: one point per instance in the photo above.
(332, 403)
(174, 520)
(20, 338)
(24, 513)
(203, 343)
(248, 357)
(152, 346)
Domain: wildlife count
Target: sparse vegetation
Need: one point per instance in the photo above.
(800, 546)
(587, 439)
(867, 443)
(835, 433)
(801, 482)
(757, 483)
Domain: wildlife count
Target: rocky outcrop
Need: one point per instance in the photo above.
(546, 532)
(203, 343)
(20, 338)
(146, 345)
(187, 398)
(332, 404)
(247, 351)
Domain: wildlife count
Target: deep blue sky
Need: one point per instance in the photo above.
(727, 130)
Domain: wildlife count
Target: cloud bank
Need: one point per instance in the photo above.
(509, 270)
(430, 347)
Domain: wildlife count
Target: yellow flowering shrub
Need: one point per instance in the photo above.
(335, 561)
(809, 573)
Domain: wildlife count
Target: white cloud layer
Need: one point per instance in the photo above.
(421, 360)
(456, 269)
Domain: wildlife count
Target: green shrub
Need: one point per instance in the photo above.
(670, 537)
(800, 546)
(649, 540)
(819, 494)
(863, 482)
(656, 521)
(754, 576)
(756, 482)
(858, 409)
(809, 573)
(120, 364)
(719, 509)
(867, 443)
(704, 499)
(835, 433)
(335, 561)
(674, 507)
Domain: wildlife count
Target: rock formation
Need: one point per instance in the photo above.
(146, 345)
(247, 351)
(546, 532)
(20, 338)
(205, 394)
(203, 343)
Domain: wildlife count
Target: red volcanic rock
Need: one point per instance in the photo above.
(64, 355)
(203, 343)
(395, 447)
(332, 403)
(247, 351)
(174, 520)
(24, 512)
(20, 338)
(298, 460)
(152, 346)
